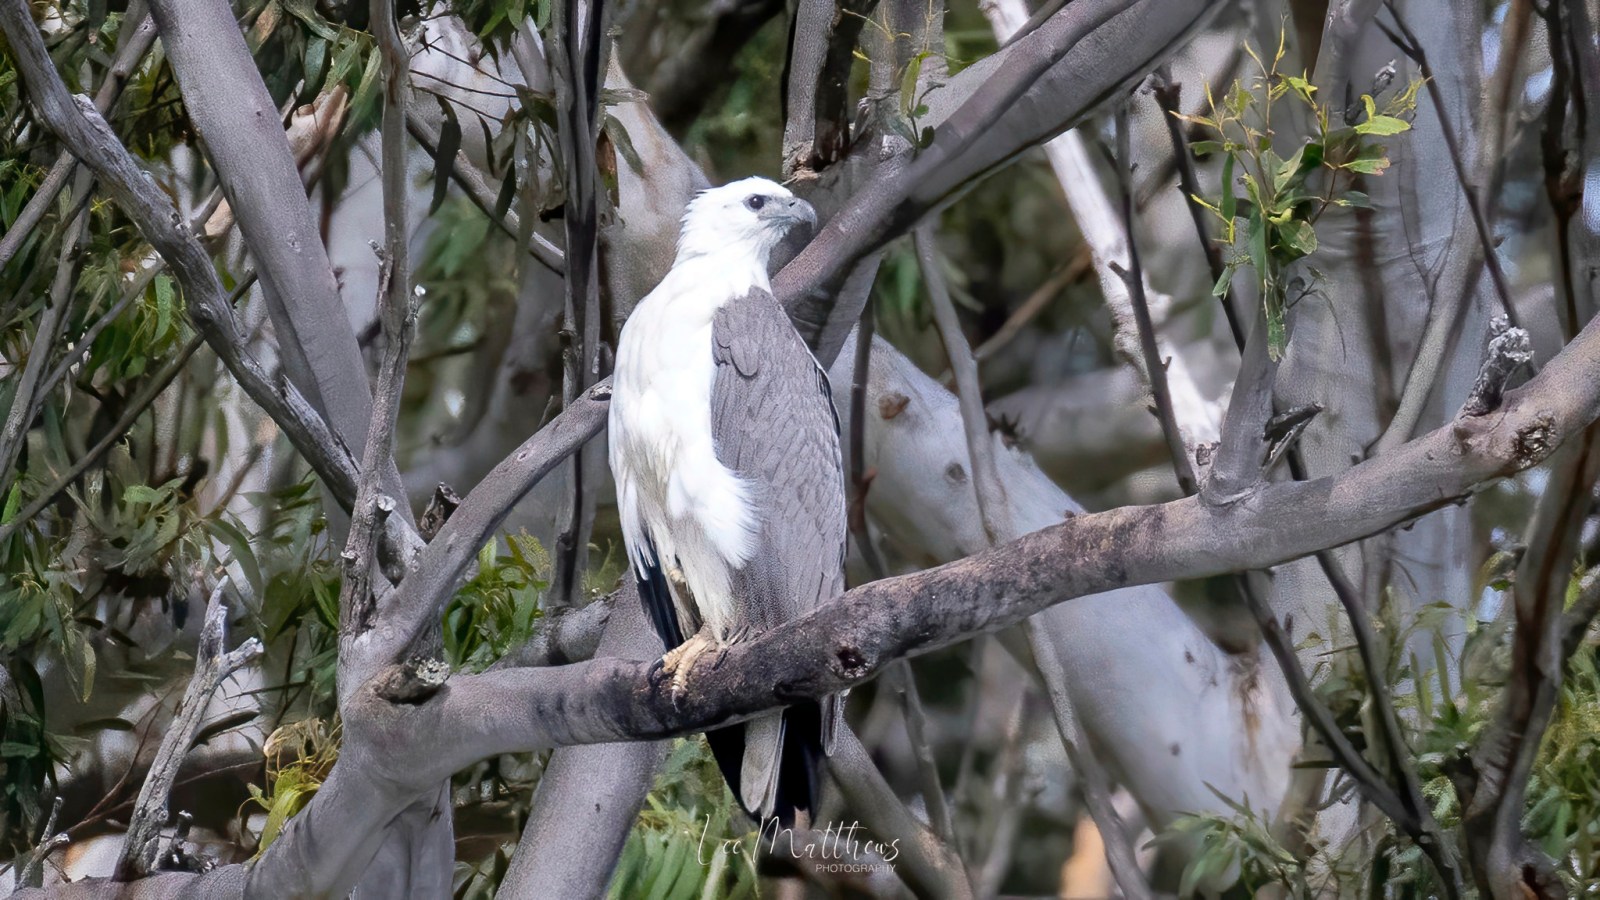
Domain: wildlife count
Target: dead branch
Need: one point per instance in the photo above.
(213, 665)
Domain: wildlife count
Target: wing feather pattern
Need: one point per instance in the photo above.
(774, 425)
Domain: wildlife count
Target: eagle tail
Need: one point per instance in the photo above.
(773, 764)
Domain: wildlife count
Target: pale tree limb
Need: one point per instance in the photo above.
(213, 665)
(228, 102)
(994, 508)
(133, 42)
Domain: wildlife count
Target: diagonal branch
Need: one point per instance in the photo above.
(357, 600)
(228, 102)
(138, 34)
(213, 665)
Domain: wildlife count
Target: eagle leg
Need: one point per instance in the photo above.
(742, 633)
(680, 660)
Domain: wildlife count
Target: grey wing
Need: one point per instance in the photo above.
(773, 423)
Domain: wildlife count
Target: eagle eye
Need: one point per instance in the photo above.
(755, 202)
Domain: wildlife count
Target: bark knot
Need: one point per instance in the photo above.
(1535, 440)
(852, 663)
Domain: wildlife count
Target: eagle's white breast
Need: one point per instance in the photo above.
(698, 512)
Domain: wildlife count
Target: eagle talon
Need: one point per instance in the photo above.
(680, 660)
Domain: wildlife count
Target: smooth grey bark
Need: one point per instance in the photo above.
(588, 797)
(244, 140)
(1037, 87)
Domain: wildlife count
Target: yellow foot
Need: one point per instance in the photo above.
(680, 660)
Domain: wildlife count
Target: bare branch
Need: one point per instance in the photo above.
(213, 665)
(578, 57)
(357, 601)
(992, 505)
(931, 868)
(1167, 93)
(1031, 91)
(244, 139)
(1155, 366)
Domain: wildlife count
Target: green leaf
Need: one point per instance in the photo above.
(226, 723)
(1205, 148)
(1356, 199)
(1229, 205)
(624, 144)
(1224, 281)
(444, 159)
(1298, 237)
(1367, 166)
(1382, 125)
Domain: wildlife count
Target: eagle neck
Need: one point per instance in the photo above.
(733, 270)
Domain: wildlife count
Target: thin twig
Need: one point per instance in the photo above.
(1167, 93)
(578, 55)
(994, 509)
(1133, 277)
(1037, 302)
(15, 431)
(993, 506)
(916, 718)
(482, 196)
(213, 666)
(1412, 48)
(85, 342)
(357, 601)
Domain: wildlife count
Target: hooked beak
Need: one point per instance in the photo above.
(793, 211)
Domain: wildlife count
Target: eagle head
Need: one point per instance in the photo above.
(749, 216)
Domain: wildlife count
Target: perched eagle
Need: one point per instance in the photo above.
(730, 486)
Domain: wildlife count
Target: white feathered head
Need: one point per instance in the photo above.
(749, 216)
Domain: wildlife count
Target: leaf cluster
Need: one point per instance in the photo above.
(1284, 196)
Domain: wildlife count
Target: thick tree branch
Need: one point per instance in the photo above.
(244, 139)
(1029, 92)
